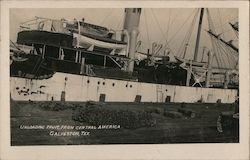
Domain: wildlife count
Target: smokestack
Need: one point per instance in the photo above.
(131, 24)
(132, 18)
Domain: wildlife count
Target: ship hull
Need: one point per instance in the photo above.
(81, 88)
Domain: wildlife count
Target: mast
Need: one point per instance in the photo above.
(189, 71)
(198, 36)
(131, 24)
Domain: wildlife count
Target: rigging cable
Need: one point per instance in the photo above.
(168, 27)
(222, 25)
(187, 38)
(224, 62)
(232, 59)
(119, 24)
(170, 11)
(216, 48)
(223, 51)
(228, 53)
(181, 27)
(215, 51)
(211, 27)
(149, 42)
(222, 34)
(236, 34)
(162, 33)
(106, 17)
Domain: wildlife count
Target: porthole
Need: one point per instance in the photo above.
(166, 90)
(130, 86)
(17, 88)
(103, 83)
(98, 82)
(88, 81)
(126, 85)
(113, 84)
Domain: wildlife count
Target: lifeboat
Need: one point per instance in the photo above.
(76, 34)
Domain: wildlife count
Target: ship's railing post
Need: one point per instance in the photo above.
(79, 27)
(79, 57)
(33, 49)
(82, 65)
(87, 70)
(44, 46)
(104, 63)
(59, 53)
(76, 58)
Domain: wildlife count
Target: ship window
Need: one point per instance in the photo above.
(102, 97)
(87, 81)
(126, 85)
(69, 55)
(103, 83)
(98, 82)
(130, 86)
(32, 51)
(137, 99)
(17, 88)
(113, 84)
(168, 99)
(63, 95)
(52, 52)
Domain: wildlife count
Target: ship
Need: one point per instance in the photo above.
(76, 61)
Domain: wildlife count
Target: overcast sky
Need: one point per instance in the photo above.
(156, 24)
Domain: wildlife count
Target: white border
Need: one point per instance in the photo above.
(156, 151)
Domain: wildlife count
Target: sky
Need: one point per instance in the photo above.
(162, 25)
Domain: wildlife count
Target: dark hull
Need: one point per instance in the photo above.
(53, 38)
(38, 67)
(44, 37)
